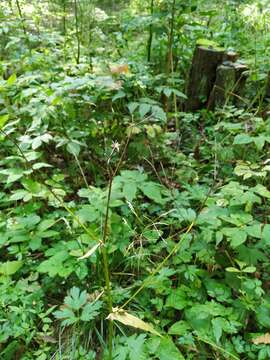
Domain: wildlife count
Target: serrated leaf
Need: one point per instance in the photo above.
(168, 350)
(130, 320)
(177, 299)
(91, 311)
(76, 299)
(67, 316)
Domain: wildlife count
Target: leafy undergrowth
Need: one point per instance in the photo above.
(104, 204)
(191, 234)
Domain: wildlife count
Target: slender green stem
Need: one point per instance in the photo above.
(81, 170)
(170, 39)
(150, 39)
(21, 16)
(77, 32)
(64, 18)
(106, 266)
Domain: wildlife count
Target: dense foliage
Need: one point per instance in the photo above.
(130, 229)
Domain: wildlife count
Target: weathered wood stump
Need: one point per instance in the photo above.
(229, 84)
(202, 75)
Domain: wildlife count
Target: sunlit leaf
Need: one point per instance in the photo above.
(130, 320)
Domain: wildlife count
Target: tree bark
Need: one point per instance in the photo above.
(229, 85)
(202, 76)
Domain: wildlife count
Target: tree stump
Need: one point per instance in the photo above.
(229, 84)
(202, 75)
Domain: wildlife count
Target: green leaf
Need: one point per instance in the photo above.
(132, 107)
(13, 174)
(18, 195)
(91, 311)
(45, 224)
(10, 267)
(179, 328)
(242, 139)
(167, 92)
(3, 120)
(76, 299)
(129, 190)
(73, 148)
(249, 269)
(232, 269)
(259, 141)
(263, 314)
(159, 113)
(152, 191)
(88, 213)
(167, 350)
(236, 236)
(67, 315)
(266, 234)
(254, 231)
(144, 109)
(217, 328)
(179, 94)
(177, 299)
(40, 165)
(136, 346)
(262, 191)
(121, 94)
(12, 79)
(216, 289)
(152, 235)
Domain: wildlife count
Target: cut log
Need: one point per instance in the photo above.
(202, 75)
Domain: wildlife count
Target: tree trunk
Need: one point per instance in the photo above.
(202, 76)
